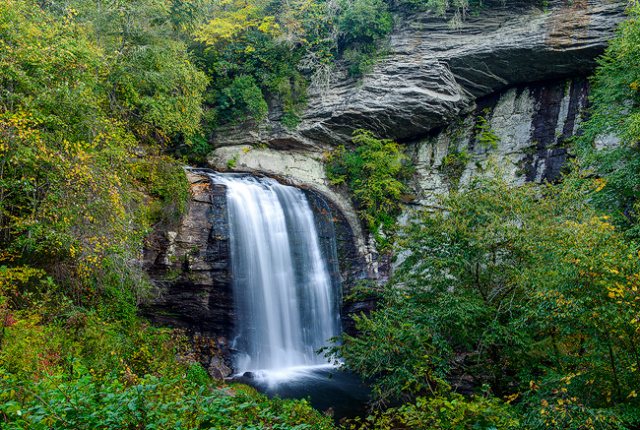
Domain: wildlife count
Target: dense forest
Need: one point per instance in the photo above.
(533, 290)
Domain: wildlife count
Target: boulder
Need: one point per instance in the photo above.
(218, 369)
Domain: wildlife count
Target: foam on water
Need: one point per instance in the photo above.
(306, 374)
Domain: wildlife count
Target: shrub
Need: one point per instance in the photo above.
(365, 22)
(446, 412)
(616, 113)
(88, 402)
(244, 97)
(375, 173)
(528, 290)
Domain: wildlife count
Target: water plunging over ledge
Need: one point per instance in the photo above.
(286, 303)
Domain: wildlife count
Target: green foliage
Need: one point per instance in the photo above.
(374, 173)
(252, 51)
(66, 367)
(37, 349)
(90, 402)
(150, 79)
(486, 136)
(361, 60)
(74, 194)
(453, 165)
(445, 412)
(362, 26)
(395, 348)
(244, 96)
(616, 112)
(291, 120)
(532, 287)
(197, 375)
(164, 179)
(197, 152)
(365, 22)
(232, 162)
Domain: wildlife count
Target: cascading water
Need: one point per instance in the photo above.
(287, 306)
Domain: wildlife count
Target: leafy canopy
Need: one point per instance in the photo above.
(616, 116)
(531, 292)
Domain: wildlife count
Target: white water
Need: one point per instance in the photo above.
(287, 307)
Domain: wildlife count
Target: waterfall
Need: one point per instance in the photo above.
(286, 304)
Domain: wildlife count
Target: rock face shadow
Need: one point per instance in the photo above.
(190, 265)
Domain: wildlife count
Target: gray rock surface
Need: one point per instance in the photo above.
(434, 73)
(531, 126)
(218, 369)
(190, 266)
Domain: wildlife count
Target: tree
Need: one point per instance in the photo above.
(529, 291)
(151, 80)
(375, 173)
(616, 113)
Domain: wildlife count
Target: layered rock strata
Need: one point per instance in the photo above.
(434, 73)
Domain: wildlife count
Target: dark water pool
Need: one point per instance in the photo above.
(326, 388)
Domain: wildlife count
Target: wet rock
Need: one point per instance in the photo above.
(190, 266)
(216, 374)
(218, 366)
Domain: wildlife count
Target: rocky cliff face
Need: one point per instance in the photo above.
(521, 132)
(504, 91)
(434, 73)
(519, 66)
(190, 265)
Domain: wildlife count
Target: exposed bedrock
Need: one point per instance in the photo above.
(521, 133)
(190, 264)
(434, 73)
